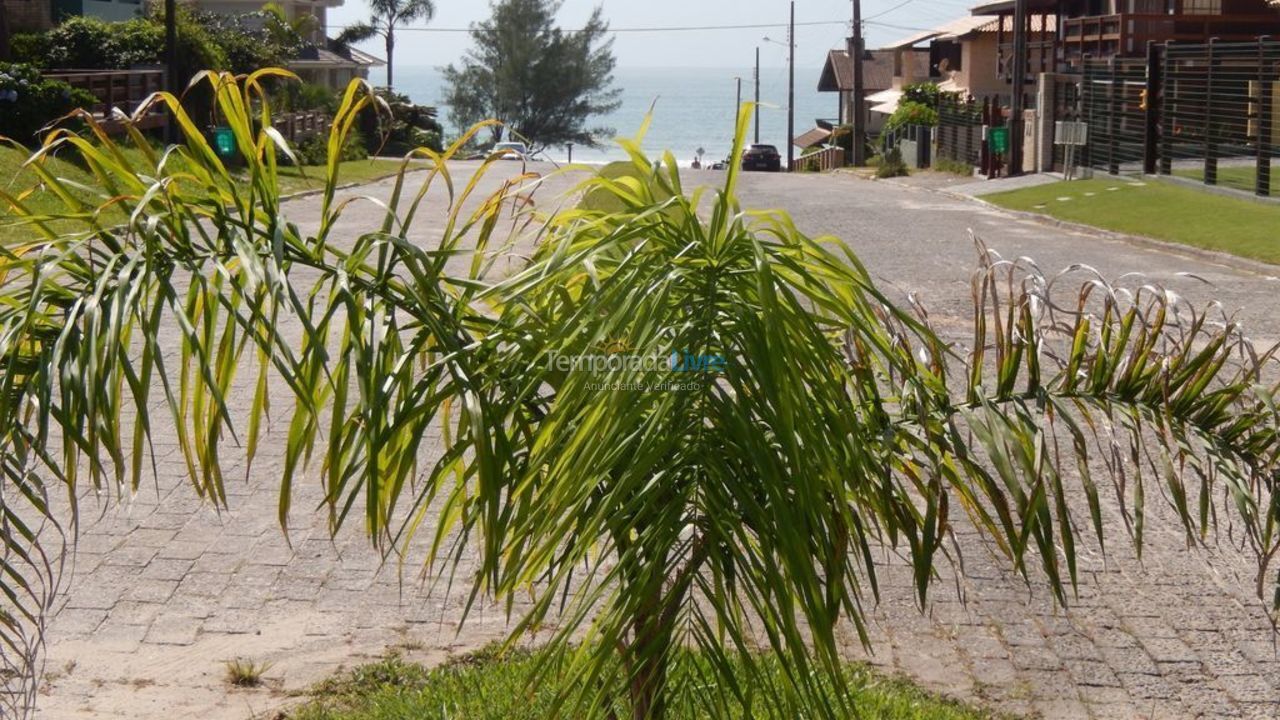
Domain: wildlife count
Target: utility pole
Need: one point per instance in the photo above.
(757, 123)
(791, 91)
(1016, 107)
(737, 107)
(859, 90)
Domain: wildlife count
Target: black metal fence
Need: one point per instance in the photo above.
(960, 130)
(1204, 112)
(1219, 108)
(1113, 101)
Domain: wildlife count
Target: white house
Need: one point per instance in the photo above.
(323, 63)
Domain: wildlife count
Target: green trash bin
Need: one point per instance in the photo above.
(224, 142)
(999, 139)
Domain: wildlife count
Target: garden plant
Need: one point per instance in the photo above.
(729, 499)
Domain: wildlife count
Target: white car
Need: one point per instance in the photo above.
(512, 150)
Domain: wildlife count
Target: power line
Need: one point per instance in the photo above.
(687, 28)
(893, 9)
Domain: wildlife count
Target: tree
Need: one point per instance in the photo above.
(387, 14)
(714, 489)
(543, 83)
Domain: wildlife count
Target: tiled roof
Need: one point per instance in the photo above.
(877, 71)
(957, 29)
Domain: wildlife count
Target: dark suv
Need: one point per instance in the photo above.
(762, 157)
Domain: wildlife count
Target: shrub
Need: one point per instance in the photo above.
(892, 165)
(88, 42)
(28, 102)
(315, 150)
(305, 96)
(251, 40)
(410, 126)
(925, 93)
(240, 43)
(955, 167)
(911, 113)
(29, 48)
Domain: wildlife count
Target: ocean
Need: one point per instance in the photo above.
(692, 108)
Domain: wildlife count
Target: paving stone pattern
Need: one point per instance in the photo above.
(165, 589)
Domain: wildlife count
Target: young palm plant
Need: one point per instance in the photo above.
(677, 433)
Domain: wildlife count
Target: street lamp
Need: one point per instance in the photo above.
(790, 45)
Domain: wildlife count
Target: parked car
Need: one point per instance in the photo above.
(762, 157)
(512, 151)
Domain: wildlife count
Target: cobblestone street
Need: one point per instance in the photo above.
(165, 589)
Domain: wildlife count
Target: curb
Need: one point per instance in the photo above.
(1234, 262)
(347, 186)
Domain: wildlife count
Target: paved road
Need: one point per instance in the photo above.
(166, 589)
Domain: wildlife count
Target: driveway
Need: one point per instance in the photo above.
(165, 589)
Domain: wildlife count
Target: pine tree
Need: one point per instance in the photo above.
(542, 82)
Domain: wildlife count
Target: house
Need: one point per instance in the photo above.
(882, 70)
(26, 15)
(323, 62)
(966, 55)
(110, 10)
(1122, 28)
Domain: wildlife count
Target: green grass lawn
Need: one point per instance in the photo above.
(301, 179)
(1237, 177)
(15, 179)
(481, 687)
(1157, 209)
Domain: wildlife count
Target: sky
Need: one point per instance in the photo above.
(886, 20)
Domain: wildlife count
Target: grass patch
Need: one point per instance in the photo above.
(953, 167)
(15, 179)
(245, 673)
(1237, 177)
(1157, 209)
(485, 687)
(302, 179)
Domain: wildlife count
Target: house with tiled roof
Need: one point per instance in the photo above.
(882, 70)
(965, 55)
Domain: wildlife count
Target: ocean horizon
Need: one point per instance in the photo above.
(692, 108)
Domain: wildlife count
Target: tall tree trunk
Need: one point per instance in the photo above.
(391, 49)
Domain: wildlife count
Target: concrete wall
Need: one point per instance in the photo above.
(980, 66)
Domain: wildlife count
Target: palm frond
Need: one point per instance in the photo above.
(730, 500)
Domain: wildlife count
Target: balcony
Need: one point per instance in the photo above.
(1127, 35)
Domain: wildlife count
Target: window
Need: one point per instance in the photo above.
(1201, 7)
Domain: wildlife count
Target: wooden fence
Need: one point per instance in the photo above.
(299, 127)
(121, 90)
(831, 158)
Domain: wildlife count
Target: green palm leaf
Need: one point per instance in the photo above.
(638, 508)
